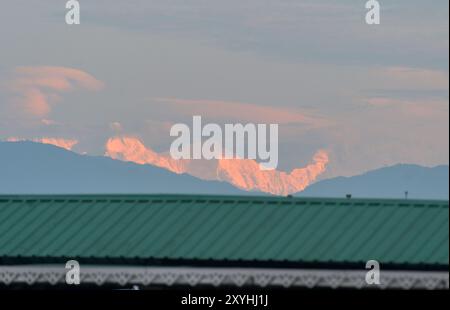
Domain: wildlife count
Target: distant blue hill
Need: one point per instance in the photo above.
(389, 182)
(34, 168)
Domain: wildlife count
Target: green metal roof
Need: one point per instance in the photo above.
(225, 228)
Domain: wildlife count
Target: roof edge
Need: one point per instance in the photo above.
(202, 263)
(211, 197)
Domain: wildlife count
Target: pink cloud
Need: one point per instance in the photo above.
(417, 78)
(436, 108)
(248, 112)
(35, 102)
(40, 87)
(58, 78)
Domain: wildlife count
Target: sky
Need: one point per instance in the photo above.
(367, 96)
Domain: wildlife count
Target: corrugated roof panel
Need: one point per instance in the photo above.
(428, 246)
(161, 228)
(213, 230)
(232, 238)
(379, 230)
(127, 243)
(275, 241)
(327, 251)
(296, 235)
(112, 241)
(93, 224)
(55, 225)
(409, 226)
(225, 228)
(72, 225)
(263, 233)
(209, 217)
(257, 228)
(316, 243)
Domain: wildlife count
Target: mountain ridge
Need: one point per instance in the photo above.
(35, 168)
(388, 182)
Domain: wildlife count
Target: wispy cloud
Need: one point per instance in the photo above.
(416, 78)
(244, 112)
(38, 88)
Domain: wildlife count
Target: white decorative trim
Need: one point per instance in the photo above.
(191, 276)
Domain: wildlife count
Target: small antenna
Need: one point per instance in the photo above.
(406, 194)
